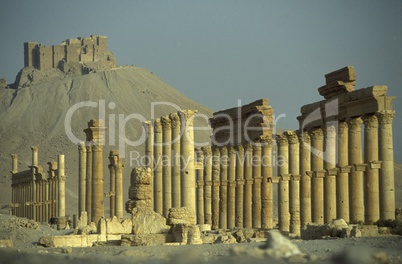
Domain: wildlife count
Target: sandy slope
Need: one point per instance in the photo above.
(36, 116)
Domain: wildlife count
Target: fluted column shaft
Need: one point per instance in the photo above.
(305, 179)
(176, 126)
(283, 190)
(257, 185)
(239, 187)
(231, 187)
(207, 184)
(248, 181)
(386, 155)
(342, 179)
(167, 168)
(158, 185)
(82, 170)
(317, 165)
(187, 152)
(371, 186)
(330, 176)
(356, 195)
(267, 195)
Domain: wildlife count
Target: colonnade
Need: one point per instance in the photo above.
(36, 196)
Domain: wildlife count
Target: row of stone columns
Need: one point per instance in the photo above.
(116, 167)
(170, 153)
(235, 186)
(36, 196)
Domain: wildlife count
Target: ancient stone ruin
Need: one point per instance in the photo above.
(320, 172)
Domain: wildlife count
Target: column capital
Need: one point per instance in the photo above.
(370, 121)
(207, 150)
(315, 133)
(266, 141)
(240, 149)
(14, 156)
(304, 137)
(292, 137)
(257, 146)
(97, 148)
(166, 122)
(342, 127)
(175, 120)
(34, 148)
(355, 123)
(223, 150)
(281, 139)
(385, 116)
(231, 150)
(187, 115)
(199, 153)
(157, 125)
(82, 147)
(216, 151)
(248, 147)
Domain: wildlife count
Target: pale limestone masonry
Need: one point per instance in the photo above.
(35, 194)
(115, 194)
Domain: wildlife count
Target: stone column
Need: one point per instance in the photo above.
(371, 186)
(82, 170)
(62, 186)
(215, 186)
(112, 170)
(187, 151)
(35, 156)
(232, 187)
(239, 187)
(200, 186)
(356, 195)
(14, 157)
(223, 197)
(342, 179)
(256, 185)
(386, 155)
(167, 168)
(119, 188)
(267, 195)
(98, 137)
(157, 172)
(317, 165)
(88, 182)
(331, 172)
(305, 179)
(149, 144)
(294, 170)
(34, 191)
(176, 126)
(207, 184)
(248, 181)
(283, 190)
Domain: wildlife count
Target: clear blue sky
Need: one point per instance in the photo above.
(219, 52)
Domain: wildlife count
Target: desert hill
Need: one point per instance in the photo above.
(36, 115)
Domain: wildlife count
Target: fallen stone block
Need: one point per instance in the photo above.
(6, 243)
(182, 215)
(144, 240)
(147, 221)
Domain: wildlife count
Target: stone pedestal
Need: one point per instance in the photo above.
(231, 223)
(317, 165)
(248, 184)
(266, 191)
(223, 197)
(342, 179)
(208, 184)
(386, 155)
(82, 171)
(356, 195)
(176, 126)
(371, 186)
(167, 168)
(187, 152)
(215, 186)
(257, 185)
(305, 179)
(157, 173)
(239, 187)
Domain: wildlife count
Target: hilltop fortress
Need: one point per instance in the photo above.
(74, 56)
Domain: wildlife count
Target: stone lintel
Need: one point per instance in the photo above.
(345, 74)
(336, 88)
(375, 164)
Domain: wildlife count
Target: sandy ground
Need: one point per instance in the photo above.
(25, 235)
